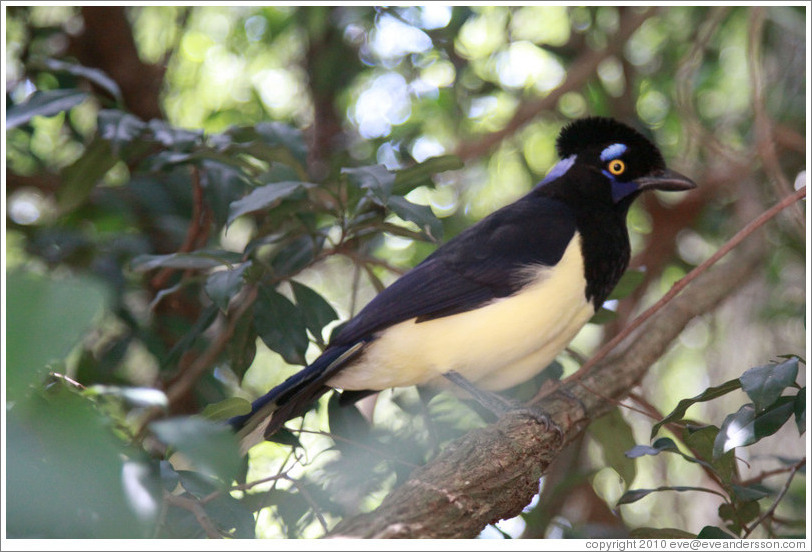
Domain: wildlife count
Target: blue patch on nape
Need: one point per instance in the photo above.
(613, 152)
(559, 170)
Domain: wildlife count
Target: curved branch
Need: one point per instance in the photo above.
(492, 473)
(578, 74)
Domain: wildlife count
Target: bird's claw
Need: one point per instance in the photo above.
(541, 418)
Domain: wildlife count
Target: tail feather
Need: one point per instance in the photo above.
(291, 397)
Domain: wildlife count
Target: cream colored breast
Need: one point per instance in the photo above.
(496, 346)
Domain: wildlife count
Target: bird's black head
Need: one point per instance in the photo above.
(608, 163)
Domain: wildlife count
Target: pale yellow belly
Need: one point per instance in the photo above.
(497, 346)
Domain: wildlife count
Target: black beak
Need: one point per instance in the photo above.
(666, 180)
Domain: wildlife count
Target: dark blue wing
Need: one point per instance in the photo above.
(475, 267)
(478, 265)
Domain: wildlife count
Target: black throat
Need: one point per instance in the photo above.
(605, 249)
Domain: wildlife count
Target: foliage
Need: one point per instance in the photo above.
(298, 160)
(713, 447)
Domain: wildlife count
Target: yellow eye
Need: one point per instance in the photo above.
(617, 167)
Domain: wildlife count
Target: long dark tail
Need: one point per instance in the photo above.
(291, 397)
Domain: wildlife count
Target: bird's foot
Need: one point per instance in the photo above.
(540, 417)
(499, 405)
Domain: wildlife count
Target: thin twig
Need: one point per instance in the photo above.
(765, 145)
(196, 233)
(687, 71)
(616, 402)
(202, 363)
(578, 74)
(309, 499)
(764, 475)
(357, 444)
(798, 465)
(243, 486)
(196, 508)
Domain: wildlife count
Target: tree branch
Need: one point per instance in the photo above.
(578, 74)
(492, 473)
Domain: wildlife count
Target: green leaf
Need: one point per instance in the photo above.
(119, 128)
(242, 347)
(96, 76)
(267, 141)
(68, 474)
(211, 447)
(222, 285)
(166, 160)
(603, 316)
(284, 436)
(708, 394)
(279, 134)
(701, 441)
(316, 311)
(296, 255)
(739, 514)
(376, 179)
(660, 445)
(346, 422)
(615, 436)
(664, 533)
(43, 104)
(711, 532)
(38, 309)
(222, 184)
(280, 325)
(629, 282)
(169, 477)
(746, 426)
(421, 215)
(418, 175)
(80, 177)
(800, 410)
(266, 197)
(225, 409)
(199, 484)
(173, 137)
(764, 384)
(751, 492)
(637, 494)
(205, 318)
(196, 260)
(231, 516)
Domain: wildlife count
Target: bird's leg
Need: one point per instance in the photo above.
(498, 404)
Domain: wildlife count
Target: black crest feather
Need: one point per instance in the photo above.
(582, 134)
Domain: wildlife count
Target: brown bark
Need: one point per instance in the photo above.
(492, 473)
(107, 43)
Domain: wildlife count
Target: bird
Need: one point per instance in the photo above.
(493, 306)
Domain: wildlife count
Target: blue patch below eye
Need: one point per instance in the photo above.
(559, 170)
(620, 189)
(613, 152)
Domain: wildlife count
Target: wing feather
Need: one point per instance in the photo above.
(481, 264)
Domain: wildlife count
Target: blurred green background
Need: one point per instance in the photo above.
(132, 268)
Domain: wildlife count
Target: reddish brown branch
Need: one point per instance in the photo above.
(183, 385)
(196, 235)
